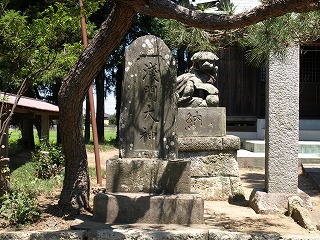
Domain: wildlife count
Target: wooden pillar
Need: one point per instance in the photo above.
(27, 133)
(45, 125)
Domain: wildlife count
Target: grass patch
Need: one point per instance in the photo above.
(20, 205)
(52, 137)
(24, 179)
(92, 173)
(15, 135)
(110, 141)
(14, 145)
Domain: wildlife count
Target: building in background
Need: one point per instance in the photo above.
(242, 86)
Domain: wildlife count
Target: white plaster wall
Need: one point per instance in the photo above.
(196, 2)
(241, 5)
(245, 5)
(309, 130)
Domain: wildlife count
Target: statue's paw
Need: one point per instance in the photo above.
(212, 100)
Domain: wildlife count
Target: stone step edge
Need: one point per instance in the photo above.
(128, 233)
(312, 175)
(259, 161)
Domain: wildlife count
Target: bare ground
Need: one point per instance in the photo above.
(218, 214)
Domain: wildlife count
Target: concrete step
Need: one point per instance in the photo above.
(258, 146)
(312, 171)
(255, 146)
(247, 159)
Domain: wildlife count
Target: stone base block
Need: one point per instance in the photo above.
(218, 188)
(270, 203)
(148, 175)
(197, 144)
(128, 208)
(212, 164)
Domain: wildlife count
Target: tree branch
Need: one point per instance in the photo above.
(170, 10)
(94, 56)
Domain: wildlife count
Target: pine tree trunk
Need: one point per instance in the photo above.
(76, 186)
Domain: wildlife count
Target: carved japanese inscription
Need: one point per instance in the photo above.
(148, 103)
(201, 122)
(192, 120)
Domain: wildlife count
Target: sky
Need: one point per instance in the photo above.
(110, 104)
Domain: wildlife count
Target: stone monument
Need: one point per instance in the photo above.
(202, 133)
(148, 184)
(282, 136)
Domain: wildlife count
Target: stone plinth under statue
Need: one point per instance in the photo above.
(202, 133)
(148, 184)
(213, 155)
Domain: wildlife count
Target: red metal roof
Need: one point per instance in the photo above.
(31, 103)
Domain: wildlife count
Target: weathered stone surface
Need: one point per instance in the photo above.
(196, 144)
(144, 208)
(146, 234)
(148, 176)
(209, 164)
(282, 123)
(218, 188)
(125, 232)
(149, 103)
(214, 167)
(299, 213)
(44, 235)
(216, 234)
(201, 122)
(268, 203)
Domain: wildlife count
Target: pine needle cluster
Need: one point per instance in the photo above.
(275, 35)
(271, 36)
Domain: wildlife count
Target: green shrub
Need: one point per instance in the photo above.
(15, 145)
(49, 160)
(112, 119)
(19, 208)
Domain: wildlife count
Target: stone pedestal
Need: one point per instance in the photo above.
(134, 187)
(214, 167)
(126, 208)
(152, 176)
